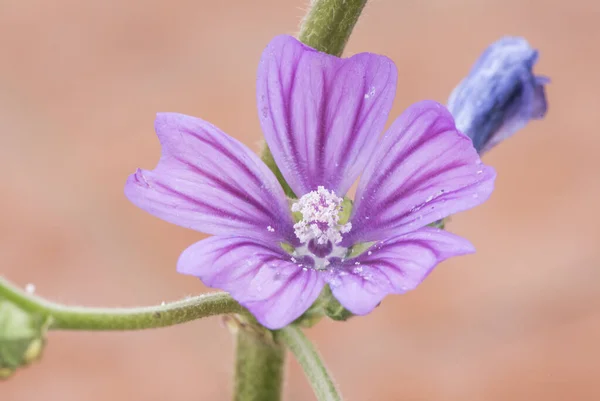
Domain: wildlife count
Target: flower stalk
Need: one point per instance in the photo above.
(329, 23)
(62, 317)
(308, 357)
(259, 364)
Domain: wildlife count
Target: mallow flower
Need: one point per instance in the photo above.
(500, 95)
(322, 117)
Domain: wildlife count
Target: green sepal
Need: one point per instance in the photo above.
(441, 224)
(346, 210)
(22, 337)
(359, 248)
(267, 157)
(325, 305)
(316, 312)
(287, 247)
(335, 310)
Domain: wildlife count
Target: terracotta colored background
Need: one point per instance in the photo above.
(80, 82)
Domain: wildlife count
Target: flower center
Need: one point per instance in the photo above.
(319, 228)
(320, 221)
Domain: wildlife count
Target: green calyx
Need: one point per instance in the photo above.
(325, 305)
(22, 337)
(333, 309)
(441, 224)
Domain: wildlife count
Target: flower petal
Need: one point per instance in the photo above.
(422, 171)
(322, 115)
(210, 182)
(393, 266)
(258, 276)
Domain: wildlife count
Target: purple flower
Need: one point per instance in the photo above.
(322, 117)
(500, 95)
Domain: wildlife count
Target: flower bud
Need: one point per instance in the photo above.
(500, 95)
(22, 338)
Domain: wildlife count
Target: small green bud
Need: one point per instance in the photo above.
(22, 337)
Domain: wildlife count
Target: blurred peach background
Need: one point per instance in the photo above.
(80, 83)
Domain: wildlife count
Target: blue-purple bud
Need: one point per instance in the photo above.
(500, 95)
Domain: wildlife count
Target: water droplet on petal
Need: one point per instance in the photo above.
(357, 270)
(370, 93)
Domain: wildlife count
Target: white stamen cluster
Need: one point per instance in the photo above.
(320, 211)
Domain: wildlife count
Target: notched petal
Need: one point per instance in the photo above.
(322, 115)
(210, 182)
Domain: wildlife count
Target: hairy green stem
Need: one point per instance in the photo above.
(259, 365)
(309, 359)
(329, 23)
(64, 317)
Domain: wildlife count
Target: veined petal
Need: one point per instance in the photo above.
(393, 266)
(322, 115)
(210, 182)
(500, 95)
(260, 277)
(422, 171)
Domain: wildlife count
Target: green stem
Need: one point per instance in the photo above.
(259, 365)
(309, 359)
(329, 23)
(80, 318)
